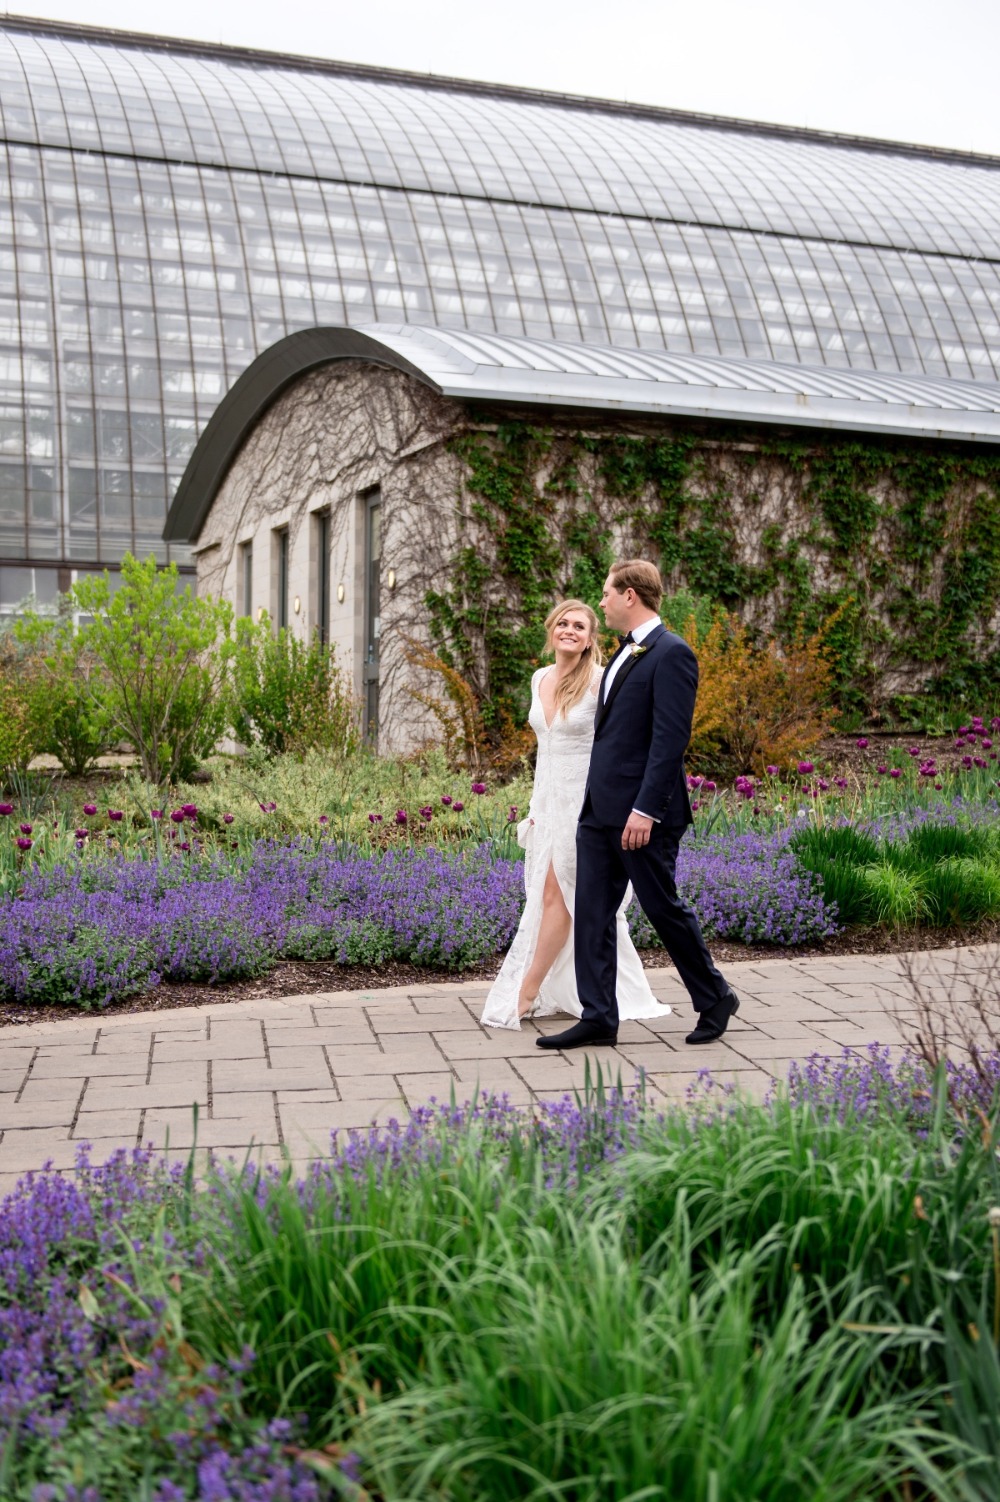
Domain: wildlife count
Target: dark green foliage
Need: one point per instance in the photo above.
(904, 542)
(288, 694)
(939, 875)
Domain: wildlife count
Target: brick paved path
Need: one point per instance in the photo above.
(283, 1073)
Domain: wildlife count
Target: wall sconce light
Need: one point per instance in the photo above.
(341, 591)
(260, 612)
(390, 578)
(296, 604)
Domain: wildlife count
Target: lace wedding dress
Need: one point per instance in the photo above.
(556, 799)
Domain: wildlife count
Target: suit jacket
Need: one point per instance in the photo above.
(641, 734)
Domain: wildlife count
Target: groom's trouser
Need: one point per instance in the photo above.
(603, 871)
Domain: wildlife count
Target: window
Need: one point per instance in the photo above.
(373, 607)
(281, 578)
(246, 579)
(322, 543)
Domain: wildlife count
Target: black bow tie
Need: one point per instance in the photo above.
(623, 641)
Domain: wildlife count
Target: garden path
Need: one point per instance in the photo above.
(279, 1075)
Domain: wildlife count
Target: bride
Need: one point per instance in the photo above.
(538, 977)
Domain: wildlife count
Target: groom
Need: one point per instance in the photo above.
(635, 811)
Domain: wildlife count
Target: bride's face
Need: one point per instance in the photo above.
(571, 633)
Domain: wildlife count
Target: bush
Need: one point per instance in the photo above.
(76, 720)
(162, 656)
(756, 706)
(289, 695)
(25, 710)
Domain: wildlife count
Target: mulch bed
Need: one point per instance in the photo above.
(303, 978)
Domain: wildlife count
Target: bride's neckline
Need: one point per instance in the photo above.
(549, 723)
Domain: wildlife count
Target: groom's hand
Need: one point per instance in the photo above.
(636, 832)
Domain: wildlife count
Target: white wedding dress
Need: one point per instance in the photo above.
(556, 800)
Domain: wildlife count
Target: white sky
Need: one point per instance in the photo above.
(912, 70)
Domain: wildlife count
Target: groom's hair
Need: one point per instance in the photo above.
(642, 576)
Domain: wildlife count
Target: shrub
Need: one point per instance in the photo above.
(162, 655)
(25, 710)
(289, 695)
(757, 706)
(76, 721)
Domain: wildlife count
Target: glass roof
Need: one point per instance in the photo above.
(167, 214)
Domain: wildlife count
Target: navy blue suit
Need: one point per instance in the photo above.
(641, 733)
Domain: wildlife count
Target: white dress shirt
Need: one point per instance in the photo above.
(638, 634)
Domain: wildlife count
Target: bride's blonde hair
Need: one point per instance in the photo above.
(571, 689)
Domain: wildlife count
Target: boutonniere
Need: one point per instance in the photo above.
(637, 649)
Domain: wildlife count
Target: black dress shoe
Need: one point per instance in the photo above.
(581, 1035)
(714, 1020)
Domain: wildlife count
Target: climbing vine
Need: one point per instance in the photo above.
(903, 542)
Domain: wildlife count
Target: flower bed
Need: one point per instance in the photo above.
(92, 931)
(722, 1301)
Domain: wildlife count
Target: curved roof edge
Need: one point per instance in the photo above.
(246, 401)
(155, 41)
(496, 368)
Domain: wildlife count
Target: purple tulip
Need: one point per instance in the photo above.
(90, 809)
(177, 816)
(895, 772)
(823, 785)
(695, 805)
(23, 844)
(478, 788)
(156, 813)
(967, 763)
(771, 771)
(427, 812)
(374, 818)
(81, 834)
(228, 818)
(708, 787)
(457, 806)
(512, 815)
(446, 800)
(881, 771)
(116, 815)
(401, 816)
(324, 818)
(190, 809)
(805, 767)
(6, 808)
(25, 828)
(862, 743)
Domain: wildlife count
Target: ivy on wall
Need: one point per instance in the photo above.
(905, 540)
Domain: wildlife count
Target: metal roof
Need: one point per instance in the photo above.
(495, 368)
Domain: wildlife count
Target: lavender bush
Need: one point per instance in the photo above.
(749, 887)
(92, 932)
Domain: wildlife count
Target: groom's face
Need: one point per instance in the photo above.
(615, 606)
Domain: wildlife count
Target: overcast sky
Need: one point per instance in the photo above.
(912, 70)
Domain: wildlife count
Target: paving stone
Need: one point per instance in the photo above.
(419, 1088)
